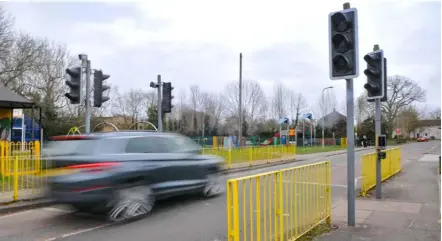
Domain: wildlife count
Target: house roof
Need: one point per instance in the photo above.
(11, 100)
(434, 122)
(334, 116)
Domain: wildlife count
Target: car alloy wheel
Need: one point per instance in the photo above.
(130, 203)
(213, 186)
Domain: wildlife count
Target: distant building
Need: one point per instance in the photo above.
(429, 128)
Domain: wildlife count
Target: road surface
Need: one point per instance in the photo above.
(185, 218)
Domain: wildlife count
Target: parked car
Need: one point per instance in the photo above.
(122, 174)
(422, 139)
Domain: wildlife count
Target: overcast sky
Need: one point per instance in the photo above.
(199, 41)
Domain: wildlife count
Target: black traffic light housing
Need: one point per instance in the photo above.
(343, 44)
(375, 74)
(383, 99)
(74, 84)
(99, 88)
(167, 97)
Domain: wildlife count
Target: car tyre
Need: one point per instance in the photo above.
(131, 203)
(213, 185)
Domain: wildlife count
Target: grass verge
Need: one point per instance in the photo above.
(318, 149)
(315, 232)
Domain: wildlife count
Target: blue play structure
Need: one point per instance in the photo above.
(18, 128)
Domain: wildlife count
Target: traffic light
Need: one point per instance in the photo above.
(74, 84)
(383, 99)
(343, 44)
(375, 74)
(99, 88)
(167, 97)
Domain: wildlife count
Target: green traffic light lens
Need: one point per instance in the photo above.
(340, 22)
(342, 64)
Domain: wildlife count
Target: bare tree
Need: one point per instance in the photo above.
(21, 60)
(297, 105)
(327, 102)
(363, 108)
(435, 114)
(280, 100)
(402, 92)
(254, 103)
(130, 106)
(216, 108)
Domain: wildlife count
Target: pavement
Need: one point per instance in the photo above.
(409, 209)
(185, 218)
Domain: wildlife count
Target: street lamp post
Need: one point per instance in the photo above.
(323, 114)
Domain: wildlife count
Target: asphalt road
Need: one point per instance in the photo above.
(185, 218)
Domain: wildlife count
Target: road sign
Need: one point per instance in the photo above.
(398, 131)
(292, 132)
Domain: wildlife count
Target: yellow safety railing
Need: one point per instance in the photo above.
(279, 205)
(252, 154)
(23, 150)
(20, 177)
(343, 141)
(391, 165)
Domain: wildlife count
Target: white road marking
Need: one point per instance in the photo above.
(60, 210)
(16, 214)
(78, 232)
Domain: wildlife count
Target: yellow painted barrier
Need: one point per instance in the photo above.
(391, 165)
(252, 154)
(21, 178)
(279, 205)
(343, 141)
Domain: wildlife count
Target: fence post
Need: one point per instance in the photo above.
(329, 194)
(280, 205)
(229, 159)
(15, 183)
(2, 157)
(250, 155)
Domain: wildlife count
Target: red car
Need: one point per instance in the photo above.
(422, 139)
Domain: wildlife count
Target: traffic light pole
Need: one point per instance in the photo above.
(87, 118)
(351, 192)
(159, 107)
(377, 126)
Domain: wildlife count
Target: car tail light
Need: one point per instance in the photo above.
(95, 167)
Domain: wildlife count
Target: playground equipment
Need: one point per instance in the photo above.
(144, 122)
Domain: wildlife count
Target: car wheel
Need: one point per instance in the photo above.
(131, 203)
(213, 185)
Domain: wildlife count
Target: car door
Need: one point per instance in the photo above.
(193, 166)
(153, 162)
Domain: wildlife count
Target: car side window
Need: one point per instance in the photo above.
(151, 144)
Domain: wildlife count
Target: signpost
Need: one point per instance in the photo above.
(398, 131)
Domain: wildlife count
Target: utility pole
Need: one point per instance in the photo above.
(323, 114)
(344, 55)
(240, 100)
(377, 127)
(159, 106)
(87, 118)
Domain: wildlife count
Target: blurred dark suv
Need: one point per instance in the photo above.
(122, 174)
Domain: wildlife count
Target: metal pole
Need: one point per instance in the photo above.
(351, 192)
(323, 118)
(240, 100)
(87, 118)
(377, 126)
(159, 107)
(303, 132)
